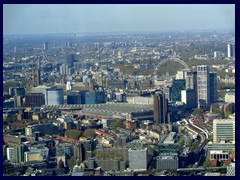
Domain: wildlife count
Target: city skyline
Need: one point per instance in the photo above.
(83, 18)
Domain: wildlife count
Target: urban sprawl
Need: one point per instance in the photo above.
(119, 104)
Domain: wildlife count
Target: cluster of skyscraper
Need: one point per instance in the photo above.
(195, 89)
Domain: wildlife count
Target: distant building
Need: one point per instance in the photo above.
(36, 76)
(34, 100)
(64, 69)
(136, 156)
(230, 50)
(45, 46)
(69, 60)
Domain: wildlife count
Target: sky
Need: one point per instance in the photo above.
(83, 18)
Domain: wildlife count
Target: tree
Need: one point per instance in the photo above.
(89, 133)
(116, 124)
(198, 112)
(207, 163)
(226, 115)
(72, 162)
(71, 133)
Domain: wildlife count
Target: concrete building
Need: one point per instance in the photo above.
(42, 128)
(203, 83)
(230, 97)
(64, 69)
(223, 130)
(54, 96)
(36, 76)
(230, 50)
(106, 164)
(135, 156)
(167, 163)
(11, 154)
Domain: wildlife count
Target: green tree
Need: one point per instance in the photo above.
(226, 115)
(198, 112)
(116, 124)
(216, 108)
(89, 133)
(72, 133)
(72, 162)
(207, 163)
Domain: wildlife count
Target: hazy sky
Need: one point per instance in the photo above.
(77, 18)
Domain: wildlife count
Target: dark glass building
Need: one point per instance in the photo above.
(160, 110)
(35, 100)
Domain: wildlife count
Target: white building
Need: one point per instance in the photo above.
(137, 159)
(230, 97)
(223, 130)
(11, 153)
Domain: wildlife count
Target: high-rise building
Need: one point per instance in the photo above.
(69, 60)
(84, 150)
(45, 46)
(207, 92)
(34, 100)
(75, 97)
(160, 105)
(95, 97)
(213, 87)
(188, 96)
(64, 69)
(54, 96)
(203, 83)
(177, 86)
(230, 50)
(36, 76)
(19, 152)
(223, 130)
(137, 159)
(17, 91)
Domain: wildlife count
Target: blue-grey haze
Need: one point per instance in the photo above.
(78, 18)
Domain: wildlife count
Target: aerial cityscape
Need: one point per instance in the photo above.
(119, 90)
